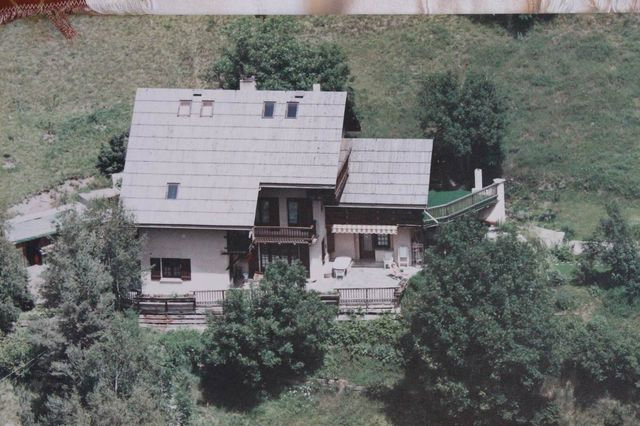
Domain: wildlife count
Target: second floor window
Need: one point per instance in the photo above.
(267, 213)
(268, 109)
(172, 191)
(292, 109)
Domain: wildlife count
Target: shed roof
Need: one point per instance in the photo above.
(221, 160)
(36, 225)
(391, 172)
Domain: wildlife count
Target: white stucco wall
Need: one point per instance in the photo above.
(402, 238)
(203, 247)
(346, 245)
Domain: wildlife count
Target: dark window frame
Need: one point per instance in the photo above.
(273, 211)
(170, 268)
(170, 185)
(295, 115)
(264, 109)
(384, 245)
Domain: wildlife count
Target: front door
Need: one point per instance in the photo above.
(366, 247)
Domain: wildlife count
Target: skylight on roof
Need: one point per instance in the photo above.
(172, 191)
(184, 109)
(268, 109)
(206, 110)
(292, 109)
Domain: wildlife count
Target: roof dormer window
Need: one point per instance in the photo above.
(172, 191)
(206, 110)
(184, 110)
(292, 109)
(268, 109)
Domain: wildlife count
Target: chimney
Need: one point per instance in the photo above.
(477, 185)
(316, 87)
(248, 83)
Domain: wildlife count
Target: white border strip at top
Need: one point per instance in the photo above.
(358, 7)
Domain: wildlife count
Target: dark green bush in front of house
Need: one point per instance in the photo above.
(275, 334)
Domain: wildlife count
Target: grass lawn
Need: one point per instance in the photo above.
(438, 198)
(572, 84)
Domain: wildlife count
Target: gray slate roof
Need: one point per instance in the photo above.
(220, 161)
(387, 172)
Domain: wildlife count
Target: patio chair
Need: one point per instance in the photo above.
(388, 260)
(403, 256)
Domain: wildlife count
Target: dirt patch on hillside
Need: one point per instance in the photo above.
(50, 198)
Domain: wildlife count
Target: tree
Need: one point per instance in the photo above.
(611, 257)
(276, 333)
(467, 122)
(269, 50)
(14, 293)
(112, 155)
(479, 318)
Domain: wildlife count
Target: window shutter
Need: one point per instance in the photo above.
(274, 212)
(331, 242)
(155, 269)
(185, 269)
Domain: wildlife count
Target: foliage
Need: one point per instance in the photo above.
(270, 50)
(478, 318)
(14, 294)
(611, 257)
(600, 356)
(112, 155)
(276, 334)
(377, 338)
(467, 121)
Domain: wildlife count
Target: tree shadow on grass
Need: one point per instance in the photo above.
(404, 407)
(517, 25)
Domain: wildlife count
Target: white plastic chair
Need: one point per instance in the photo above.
(388, 260)
(403, 256)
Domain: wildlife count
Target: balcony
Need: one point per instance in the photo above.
(284, 234)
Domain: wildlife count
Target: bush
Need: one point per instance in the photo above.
(376, 339)
(112, 155)
(479, 337)
(14, 294)
(267, 338)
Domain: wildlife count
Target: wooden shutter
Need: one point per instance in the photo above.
(185, 269)
(331, 242)
(306, 212)
(155, 269)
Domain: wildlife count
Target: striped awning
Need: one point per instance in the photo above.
(364, 229)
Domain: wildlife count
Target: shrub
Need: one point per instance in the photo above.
(112, 155)
(377, 338)
(479, 319)
(266, 338)
(14, 294)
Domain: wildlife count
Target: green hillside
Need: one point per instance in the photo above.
(574, 129)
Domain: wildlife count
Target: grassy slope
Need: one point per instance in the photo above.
(574, 121)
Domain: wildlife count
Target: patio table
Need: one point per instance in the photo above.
(340, 266)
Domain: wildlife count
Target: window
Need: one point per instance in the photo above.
(383, 241)
(184, 110)
(292, 109)
(293, 212)
(170, 268)
(267, 212)
(269, 253)
(172, 191)
(268, 109)
(206, 110)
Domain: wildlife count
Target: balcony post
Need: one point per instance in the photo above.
(497, 215)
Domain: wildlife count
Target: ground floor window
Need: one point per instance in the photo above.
(168, 267)
(383, 241)
(270, 253)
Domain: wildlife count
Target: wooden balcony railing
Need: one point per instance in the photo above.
(341, 180)
(284, 234)
(474, 201)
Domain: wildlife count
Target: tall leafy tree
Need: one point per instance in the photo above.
(14, 293)
(467, 121)
(268, 337)
(479, 320)
(612, 255)
(270, 50)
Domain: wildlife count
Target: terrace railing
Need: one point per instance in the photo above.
(368, 299)
(283, 234)
(474, 201)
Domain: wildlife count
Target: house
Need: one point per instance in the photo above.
(224, 182)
